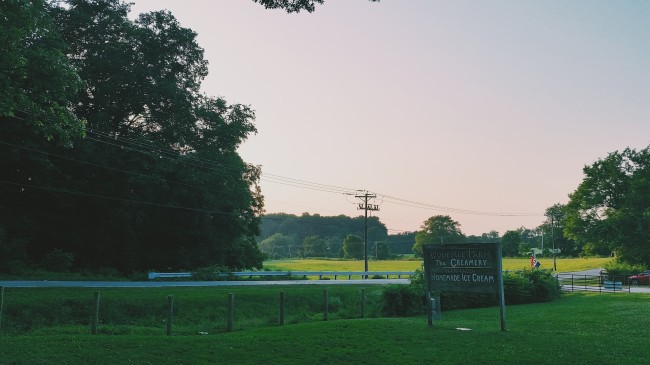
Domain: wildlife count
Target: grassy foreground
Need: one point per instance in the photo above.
(577, 329)
(509, 263)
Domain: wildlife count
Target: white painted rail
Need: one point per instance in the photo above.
(293, 274)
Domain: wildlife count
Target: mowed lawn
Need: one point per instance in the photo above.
(577, 329)
(563, 264)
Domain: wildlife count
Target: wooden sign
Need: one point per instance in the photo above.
(465, 268)
(472, 268)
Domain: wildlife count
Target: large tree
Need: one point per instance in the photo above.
(157, 183)
(438, 229)
(611, 207)
(38, 85)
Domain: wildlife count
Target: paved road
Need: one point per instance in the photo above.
(164, 284)
(590, 272)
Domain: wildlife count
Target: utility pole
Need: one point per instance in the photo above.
(366, 207)
(553, 242)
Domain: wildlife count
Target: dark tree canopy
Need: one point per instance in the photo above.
(611, 207)
(293, 6)
(157, 183)
(37, 81)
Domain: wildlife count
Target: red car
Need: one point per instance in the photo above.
(642, 278)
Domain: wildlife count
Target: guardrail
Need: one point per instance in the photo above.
(596, 283)
(305, 274)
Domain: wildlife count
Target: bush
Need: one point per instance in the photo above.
(620, 271)
(58, 261)
(530, 286)
(210, 273)
(525, 286)
(402, 301)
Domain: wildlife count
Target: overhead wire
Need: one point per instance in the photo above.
(113, 168)
(196, 161)
(278, 179)
(79, 193)
(415, 204)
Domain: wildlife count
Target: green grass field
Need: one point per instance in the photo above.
(563, 265)
(576, 329)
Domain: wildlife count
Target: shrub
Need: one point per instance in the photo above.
(210, 273)
(402, 300)
(530, 286)
(620, 271)
(58, 261)
(525, 286)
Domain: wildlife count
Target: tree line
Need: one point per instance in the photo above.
(290, 236)
(607, 215)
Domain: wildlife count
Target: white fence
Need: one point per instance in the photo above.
(597, 283)
(293, 274)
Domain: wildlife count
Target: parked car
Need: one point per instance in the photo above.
(642, 278)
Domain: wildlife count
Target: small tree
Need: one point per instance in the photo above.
(438, 229)
(314, 246)
(353, 247)
(278, 245)
(510, 243)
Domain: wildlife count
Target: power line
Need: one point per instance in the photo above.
(114, 169)
(415, 204)
(79, 193)
(163, 152)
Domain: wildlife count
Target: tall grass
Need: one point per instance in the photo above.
(130, 310)
(577, 329)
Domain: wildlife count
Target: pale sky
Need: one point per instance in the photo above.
(484, 106)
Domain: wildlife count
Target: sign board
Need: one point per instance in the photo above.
(472, 268)
(465, 268)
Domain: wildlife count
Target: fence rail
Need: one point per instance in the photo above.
(304, 274)
(595, 283)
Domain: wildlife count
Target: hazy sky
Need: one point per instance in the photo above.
(483, 106)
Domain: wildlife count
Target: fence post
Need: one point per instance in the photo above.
(170, 314)
(325, 305)
(231, 312)
(2, 301)
(93, 328)
(363, 302)
(282, 300)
